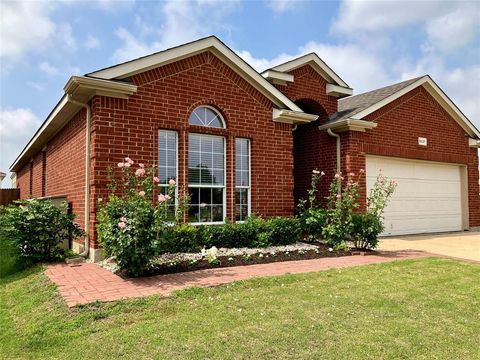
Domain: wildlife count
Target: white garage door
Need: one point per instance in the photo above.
(428, 197)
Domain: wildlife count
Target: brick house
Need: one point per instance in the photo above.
(242, 142)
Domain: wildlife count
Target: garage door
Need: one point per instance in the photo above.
(428, 197)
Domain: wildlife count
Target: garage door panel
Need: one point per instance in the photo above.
(427, 198)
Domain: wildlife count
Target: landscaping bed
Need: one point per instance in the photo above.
(181, 262)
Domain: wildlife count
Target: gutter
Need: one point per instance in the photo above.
(87, 173)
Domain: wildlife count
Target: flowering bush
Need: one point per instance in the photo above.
(131, 224)
(340, 221)
(311, 215)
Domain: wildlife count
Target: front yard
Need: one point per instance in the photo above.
(425, 309)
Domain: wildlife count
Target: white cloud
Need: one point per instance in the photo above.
(16, 128)
(48, 68)
(92, 42)
(183, 21)
(16, 18)
(280, 6)
(37, 86)
(449, 25)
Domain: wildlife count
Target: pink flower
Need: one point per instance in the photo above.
(141, 193)
(156, 179)
(140, 172)
(123, 219)
(120, 164)
(122, 225)
(141, 165)
(339, 196)
(322, 173)
(337, 176)
(128, 160)
(394, 183)
(362, 171)
(351, 174)
(316, 172)
(127, 164)
(171, 182)
(162, 198)
(167, 197)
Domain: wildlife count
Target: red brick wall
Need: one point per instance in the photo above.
(65, 165)
(313, 149)
(165, 98)
(65, 168)
(400, 123)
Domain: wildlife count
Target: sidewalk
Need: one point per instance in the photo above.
(86, 283)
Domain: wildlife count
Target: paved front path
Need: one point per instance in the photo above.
(86, 283)
(462, 245)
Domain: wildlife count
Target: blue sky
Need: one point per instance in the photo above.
(368, 43)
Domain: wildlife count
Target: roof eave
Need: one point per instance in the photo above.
(292, 117)
(348, 125)
(81, 89)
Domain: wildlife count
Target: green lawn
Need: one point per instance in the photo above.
(414, 309)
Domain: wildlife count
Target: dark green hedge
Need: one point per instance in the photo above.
(254, 232)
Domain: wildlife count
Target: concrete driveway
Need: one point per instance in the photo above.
(463, 245)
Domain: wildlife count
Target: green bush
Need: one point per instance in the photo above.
(182, 238)
(311, 223)
(126, 231)
(282, 231)
(34, 229)
(365, 230)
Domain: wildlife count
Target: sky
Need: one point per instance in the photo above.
(370, 44)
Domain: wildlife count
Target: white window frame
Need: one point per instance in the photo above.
(219, 115)
(176, 164)
(224, 186)
(249, 187)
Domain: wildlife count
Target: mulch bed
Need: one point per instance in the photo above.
(242, 260)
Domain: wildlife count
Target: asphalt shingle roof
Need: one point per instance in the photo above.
(352, 105)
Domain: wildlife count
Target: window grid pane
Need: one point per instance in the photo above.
(206, 116)
(167, 156)
(206, 166)
(242, 179)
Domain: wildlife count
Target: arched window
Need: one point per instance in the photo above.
(206, 116)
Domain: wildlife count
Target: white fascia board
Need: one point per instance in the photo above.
(317, 63)
(437, 93)
(211, 43)
(338, 91)
(292, 117)
(277, 75)
(349, 125)
(474, 143)
(38, 135)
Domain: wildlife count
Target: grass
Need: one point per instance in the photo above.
(413, 309)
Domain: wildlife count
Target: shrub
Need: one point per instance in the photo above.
(130, 224)
(312, 222)
(35, 228)
(365, 230)
(182, 238)
(282, 231)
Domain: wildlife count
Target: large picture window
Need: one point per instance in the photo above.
(242, 179)
(206, 179)
(167, 161)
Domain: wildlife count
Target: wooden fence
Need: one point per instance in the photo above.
(8, 196)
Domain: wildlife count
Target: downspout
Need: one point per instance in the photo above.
(88, 119)
(331, 133)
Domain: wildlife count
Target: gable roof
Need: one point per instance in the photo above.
(358, 106)
(317, 64)
(210, 43)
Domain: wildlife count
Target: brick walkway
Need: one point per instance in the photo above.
(86, 283)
